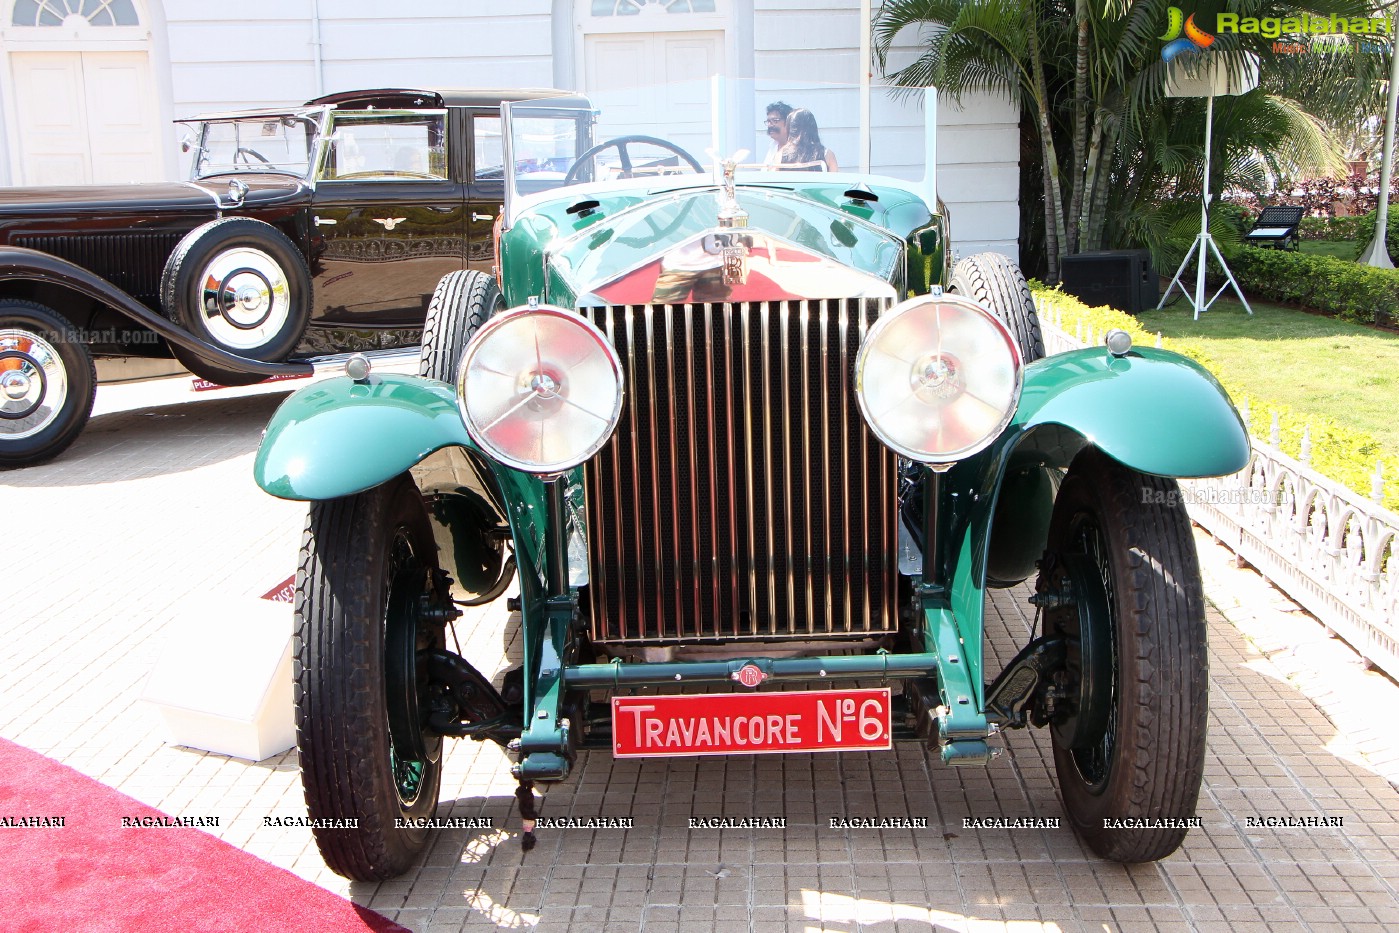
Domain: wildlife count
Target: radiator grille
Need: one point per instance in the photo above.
(742, 495)
(132, 262)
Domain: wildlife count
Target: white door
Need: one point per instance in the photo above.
(85, 118)
(654, 84)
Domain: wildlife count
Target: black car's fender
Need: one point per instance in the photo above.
(20, 264)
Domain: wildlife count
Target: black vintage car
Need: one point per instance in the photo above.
(303, 234)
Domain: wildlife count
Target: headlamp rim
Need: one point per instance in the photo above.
(504, 318)
(908, 306)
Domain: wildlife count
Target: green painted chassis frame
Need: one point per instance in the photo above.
(1152, 410)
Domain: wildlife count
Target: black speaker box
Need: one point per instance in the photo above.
(1121, 278)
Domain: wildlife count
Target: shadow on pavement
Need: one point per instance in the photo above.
(154, 441)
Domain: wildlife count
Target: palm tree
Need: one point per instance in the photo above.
(1068, 64)
(986, 45)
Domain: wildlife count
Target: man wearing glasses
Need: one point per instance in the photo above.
(776, 127)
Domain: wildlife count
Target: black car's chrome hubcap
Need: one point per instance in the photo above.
(245, 297)
(33, 383)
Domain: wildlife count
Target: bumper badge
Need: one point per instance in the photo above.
(750, 675)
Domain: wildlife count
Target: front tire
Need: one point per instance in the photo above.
(1129, 736)
(47, 384)
(461, 303)
(242, 286)
(992, 280)
(366, 562)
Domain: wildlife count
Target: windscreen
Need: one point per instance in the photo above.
(687, 127)
(283, 144)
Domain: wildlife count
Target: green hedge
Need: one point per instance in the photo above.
(1350, 291)
(1360, 228)
(1344, 454)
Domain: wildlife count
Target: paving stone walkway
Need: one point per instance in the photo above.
(152, 519)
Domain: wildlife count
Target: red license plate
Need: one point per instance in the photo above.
(751, 723)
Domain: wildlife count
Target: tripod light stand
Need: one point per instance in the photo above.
(1207, 79)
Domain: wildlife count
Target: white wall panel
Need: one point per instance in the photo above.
(804, 31)
(243, 14)
(267, 85)
(378, 10)
(459, 38)
(982, 221)
(978, 107)
(808, 6)
(438, 73)
(984, 181)
(210, 42)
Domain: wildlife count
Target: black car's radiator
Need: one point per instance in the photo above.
(742, 495)
(132, 262)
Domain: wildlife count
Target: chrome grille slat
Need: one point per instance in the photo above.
(755, 477)
(601, 570)
(704, 558)
(826, 452)
(865, 477)
(767, 474)
(657, 576)
(845, 390)
(734, 576)
(785, 315)
(636, 528)
(806, 454)
(749, 483)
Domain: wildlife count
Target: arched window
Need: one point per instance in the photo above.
(59, 12)
(634, 7)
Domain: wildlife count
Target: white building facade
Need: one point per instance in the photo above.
(90, 89)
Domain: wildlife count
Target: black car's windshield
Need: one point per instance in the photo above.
(282, 143)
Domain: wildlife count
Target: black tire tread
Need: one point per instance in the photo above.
(339, 690)
(1164, 705)
(82, 385)
(461, 303)
(996, 282)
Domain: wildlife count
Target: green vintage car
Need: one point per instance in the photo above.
(755, 452)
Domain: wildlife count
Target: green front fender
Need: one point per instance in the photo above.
(1152, 410)
(340, 437)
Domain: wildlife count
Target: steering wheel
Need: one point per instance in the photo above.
(245, 152)
(620, 144)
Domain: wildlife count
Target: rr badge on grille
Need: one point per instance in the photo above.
(750, 675)
(735, 265)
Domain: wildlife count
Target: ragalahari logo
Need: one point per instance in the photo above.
(1194, 40)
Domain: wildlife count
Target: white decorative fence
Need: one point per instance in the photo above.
(1332, 551)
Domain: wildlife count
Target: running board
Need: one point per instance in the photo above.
(403, 361)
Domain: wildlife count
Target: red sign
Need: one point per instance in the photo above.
(204, 385)
(751, 723)
(284, 592)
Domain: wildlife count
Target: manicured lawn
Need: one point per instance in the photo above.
(1319, 366)
(1337, 249)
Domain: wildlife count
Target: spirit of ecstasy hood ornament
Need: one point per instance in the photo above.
(730, 213)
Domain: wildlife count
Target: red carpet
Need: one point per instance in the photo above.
(92, 874)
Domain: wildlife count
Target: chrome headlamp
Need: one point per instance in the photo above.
(938, 378)
(540, 389)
